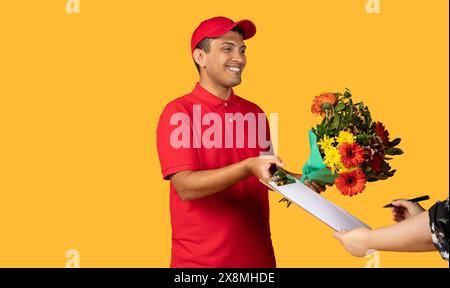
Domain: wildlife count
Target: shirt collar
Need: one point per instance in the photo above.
(204, 95)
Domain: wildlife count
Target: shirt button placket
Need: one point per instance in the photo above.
(225, 104)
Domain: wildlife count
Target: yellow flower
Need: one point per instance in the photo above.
(326, 142)
(345, 137)
(344, 170)
(333, 159)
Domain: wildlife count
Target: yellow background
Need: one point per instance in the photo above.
(80, 97)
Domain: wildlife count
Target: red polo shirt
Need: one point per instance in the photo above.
(229, 228)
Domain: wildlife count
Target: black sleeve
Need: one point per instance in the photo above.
(439, 227)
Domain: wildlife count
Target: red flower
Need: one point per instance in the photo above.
(351, 183)
(381, 132)
(351, 154)
(323, 102)
(376, 163)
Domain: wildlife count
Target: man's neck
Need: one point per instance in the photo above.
(217, 90)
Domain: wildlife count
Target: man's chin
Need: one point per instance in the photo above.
(234, 82)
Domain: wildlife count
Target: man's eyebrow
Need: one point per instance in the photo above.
(232, 44)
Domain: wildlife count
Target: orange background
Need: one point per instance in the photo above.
(81, 95)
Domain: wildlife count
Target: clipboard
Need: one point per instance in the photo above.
(315, 204)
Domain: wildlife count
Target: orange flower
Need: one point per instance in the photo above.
(351, 183)
(323, 102)
(351, 154)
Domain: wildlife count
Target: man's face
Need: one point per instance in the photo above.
(226, 59)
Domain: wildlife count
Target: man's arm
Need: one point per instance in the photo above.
(191, 185)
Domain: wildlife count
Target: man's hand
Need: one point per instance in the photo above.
(405, 209)
(313, 185)
(259, 166)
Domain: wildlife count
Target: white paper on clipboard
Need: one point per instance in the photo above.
(325, 210)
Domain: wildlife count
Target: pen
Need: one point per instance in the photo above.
(417, 199)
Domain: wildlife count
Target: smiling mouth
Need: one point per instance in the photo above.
(234, 69)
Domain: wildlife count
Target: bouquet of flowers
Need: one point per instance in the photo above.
(348, 149)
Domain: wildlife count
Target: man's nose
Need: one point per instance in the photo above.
(239, 57)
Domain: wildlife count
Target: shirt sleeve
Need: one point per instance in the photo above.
(174, 142)
(439, 227)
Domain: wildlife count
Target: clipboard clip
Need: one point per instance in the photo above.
(279, 175)
(281, 178)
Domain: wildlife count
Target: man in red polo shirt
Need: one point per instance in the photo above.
(219, 210)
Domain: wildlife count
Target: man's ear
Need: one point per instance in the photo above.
(199, 57)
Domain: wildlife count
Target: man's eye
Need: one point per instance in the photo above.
(227, 49)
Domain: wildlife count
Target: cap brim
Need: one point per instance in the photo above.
(248, 27)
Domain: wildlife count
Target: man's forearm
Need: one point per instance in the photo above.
(191, 185)
(410, 235)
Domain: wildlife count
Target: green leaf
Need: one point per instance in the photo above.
(367, 169)
(391, 173)
(395, 142)
(371, 174)
(351, 108)
(347, 93)
(385, 168)
(336, 122)
(394, 151)
(367, 117)
(383, 177)
(339, 107)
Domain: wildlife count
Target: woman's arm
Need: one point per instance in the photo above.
(410, 235)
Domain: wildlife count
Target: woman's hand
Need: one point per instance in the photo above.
(356, 241)
(405, 209)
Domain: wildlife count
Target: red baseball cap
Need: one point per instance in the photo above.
(218, 26)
